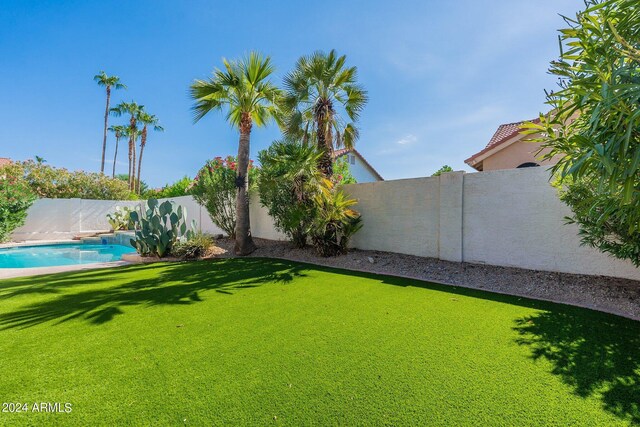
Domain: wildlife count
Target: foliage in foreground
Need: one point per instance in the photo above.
(214, 187)
(15, 199)
(159, 227)
(594, 125)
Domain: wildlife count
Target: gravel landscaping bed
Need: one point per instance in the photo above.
(613, 295)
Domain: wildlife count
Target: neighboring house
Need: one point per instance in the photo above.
(361, 170)
(508, 149)
(4, 161)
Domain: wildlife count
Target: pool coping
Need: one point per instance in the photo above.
(10, 273)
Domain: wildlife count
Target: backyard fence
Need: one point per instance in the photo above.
(507, 218)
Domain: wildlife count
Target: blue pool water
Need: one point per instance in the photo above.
(61, 254)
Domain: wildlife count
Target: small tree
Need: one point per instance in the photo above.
(594, 125)
(215, 188)
(443, 169)
(15, 199)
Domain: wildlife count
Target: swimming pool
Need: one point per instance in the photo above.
(60, 254)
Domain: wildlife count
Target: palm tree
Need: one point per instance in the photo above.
(108, 82)
(147, 120)
(120, 132)
(318, 85)
(243, 87)
(134, 110)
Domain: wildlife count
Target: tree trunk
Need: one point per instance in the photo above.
(244, 243)
(323, 113)
(104, 137)
(143, 142)
(132, 154)
(115, 158)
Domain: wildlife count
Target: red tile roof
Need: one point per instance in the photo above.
(504, 133)
(343, 151)
(4, 161)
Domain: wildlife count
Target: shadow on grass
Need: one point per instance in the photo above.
(594, 353)
(154, 284)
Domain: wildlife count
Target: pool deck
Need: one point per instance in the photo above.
(9, 273)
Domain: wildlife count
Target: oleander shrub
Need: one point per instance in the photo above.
(16, 197)
(50, 182)
(214, 187)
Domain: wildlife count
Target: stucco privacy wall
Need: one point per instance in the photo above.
(514, 218)
(507, 217)
(53, 219)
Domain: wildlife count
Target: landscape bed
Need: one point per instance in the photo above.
(263, 341)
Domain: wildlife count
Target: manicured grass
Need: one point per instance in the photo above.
(262, 342)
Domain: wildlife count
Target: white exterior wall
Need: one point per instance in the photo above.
(508, 217)
(360, 171)
(53, 219)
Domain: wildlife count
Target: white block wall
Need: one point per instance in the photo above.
(507, 217)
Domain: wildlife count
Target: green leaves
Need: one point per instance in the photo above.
(593, 125)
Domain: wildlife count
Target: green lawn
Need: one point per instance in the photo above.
(262, 342)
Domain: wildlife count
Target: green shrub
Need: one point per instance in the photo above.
(443, 169)
(334, 221)
(159, 227)
(601, 226)
(342, 172)
(181, 187)
(289, 179)
(215, 188)
(15, 199)
(195, 247)
(50, 182)
(120, 219)
(592, 129)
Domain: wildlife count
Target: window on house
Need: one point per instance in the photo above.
(528, 165)
(352, 159)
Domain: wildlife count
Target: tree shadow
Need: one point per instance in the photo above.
(595, 353)
(158, 284)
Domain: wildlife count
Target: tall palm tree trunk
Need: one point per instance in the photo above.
(143, 142)
(323, 113)
(115, 157)
(133, 167)
(244, 242)
(325, 162)
(130, 161)
(104, 137)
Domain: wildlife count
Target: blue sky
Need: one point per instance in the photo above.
(441, 76)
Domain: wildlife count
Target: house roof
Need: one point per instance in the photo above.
(4, 161)
(504, 133)
(343, 151)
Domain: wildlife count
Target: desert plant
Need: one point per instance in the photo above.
(159, 227)
(593, 124)
(318, 88)
(16, 197)
(244, 88)
(107, 82)
(334, 221)
(195, 247)
(288, 181)
(215, 188)
(120, 219)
